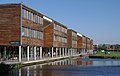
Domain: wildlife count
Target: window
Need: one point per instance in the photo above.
(31, 16)
(41, 35)
(58, 28)
(23, 31)
(27, 14)
(41, 19)
(32, 33)
(34, 18)
(22, 13)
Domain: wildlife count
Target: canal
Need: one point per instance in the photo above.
(72, 67)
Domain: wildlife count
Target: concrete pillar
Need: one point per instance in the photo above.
(28, 49)
(40, 52)
(35, 53)
(71, 52)
(56, 52)
(63, 52)
(60, 51)
(68, 51)
(52, 52)
(19, 53)
(4, 52)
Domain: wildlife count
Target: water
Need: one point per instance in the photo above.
(72, 67)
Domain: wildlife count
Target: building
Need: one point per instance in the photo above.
(113, 47)
(27, 35)
(21, 28)
(84, 44)
(55, 37)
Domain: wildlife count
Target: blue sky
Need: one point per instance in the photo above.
(97, 19)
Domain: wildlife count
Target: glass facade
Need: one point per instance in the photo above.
(60, 28)
(32, 16)
(60, 39)
(27, 32)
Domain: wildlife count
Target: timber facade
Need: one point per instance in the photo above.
(27, 35)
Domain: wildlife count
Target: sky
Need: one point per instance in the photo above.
(96, 19)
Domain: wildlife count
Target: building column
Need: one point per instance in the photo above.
(52, 52)
(35, 53)
(68, 51)
(56, 52)
(4, 53)
(28, 49)
(71, 52)
(63, 52)
(40, 52)
(19, 53)
(60, 51)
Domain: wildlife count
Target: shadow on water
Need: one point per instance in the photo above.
(72, 67)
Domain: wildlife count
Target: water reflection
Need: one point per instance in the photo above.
(71, 67)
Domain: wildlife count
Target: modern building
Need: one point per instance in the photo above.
(84, 44)
(55, 37)
(21, 32)
(27, 35)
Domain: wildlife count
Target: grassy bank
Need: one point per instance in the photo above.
(114, 55)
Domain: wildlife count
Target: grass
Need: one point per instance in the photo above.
(111, 55)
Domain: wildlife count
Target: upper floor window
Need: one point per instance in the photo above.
(32, 16)
(23, 13)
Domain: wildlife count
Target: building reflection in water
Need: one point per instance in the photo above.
(50, 69)
(62, 68)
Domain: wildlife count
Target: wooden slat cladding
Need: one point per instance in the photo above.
(91, 44)
(48, 36)
(72, 39)
(88, 43)
(32, 42)
(69, 40)
(84, 42)
(79, 42)
(9, 23)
